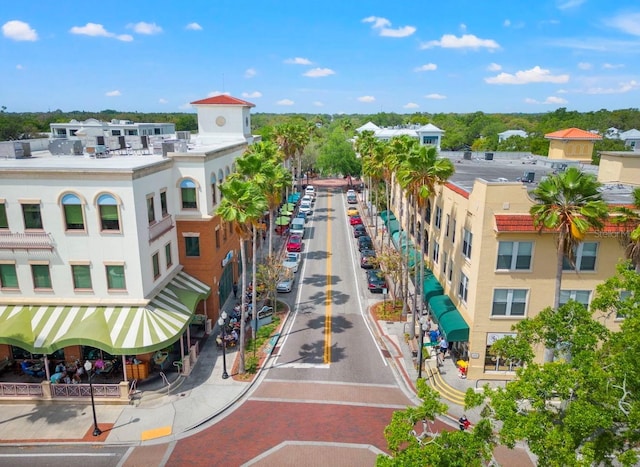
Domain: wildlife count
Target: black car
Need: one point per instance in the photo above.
(366, 259)
(365, 243)
(359, 230)
(376, 281)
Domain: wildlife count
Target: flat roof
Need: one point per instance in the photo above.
(506, 167)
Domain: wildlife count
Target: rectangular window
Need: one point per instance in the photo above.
(445, 262)
(41, 276)
(438, 219)
(109, 217)
(217, 234)
(115, 277)
(580, 296)
(463, 287)
(446, 227)
(514, 256)
(155, 262)
(427, 213)
(213, 194)
(8, 276)
(32, 217)
(73, 216)
(585, 258)
(453, 233)
(436, 252)
(192, 246)
(467, 240)
(4, 222)
(167, 255)
(189, 198)
(163, 204)
(450, 275)
(151, 211)
(509, 302)
(81, 276)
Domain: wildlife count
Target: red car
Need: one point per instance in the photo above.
(294, 243)
(355, 220)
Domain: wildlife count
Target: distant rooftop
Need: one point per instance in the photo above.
(573, 133)
(223, 99)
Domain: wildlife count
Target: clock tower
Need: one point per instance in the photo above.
(223, 117)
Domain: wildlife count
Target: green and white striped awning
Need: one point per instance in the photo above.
(119, 330)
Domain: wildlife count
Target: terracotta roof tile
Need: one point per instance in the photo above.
(456, 189)
(524, 223)
(223, 99)
(573, 133)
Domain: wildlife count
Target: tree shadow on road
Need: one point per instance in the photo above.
(337, 298)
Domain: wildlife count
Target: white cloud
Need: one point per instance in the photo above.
(629, 23)
(218, 93)
(435, 95)
(506, 23)
(463, 27)
(148, 29)
(562, 91)
(528, 100)
(366, 99)
(585, 65)
(98, 30)
(285, 102)
(194, 27)
(494, 67)
(534, 75)
(612, 66)
(426, 67)
(567, 4)
(252, 95)
(555, 100)
(162, 100)
(466, 41)
(113, 93)
(319, 72)
(621, 89)
(19, 31)
(411, 105)
(381, 25)
(249, 73)
(19, 67)
(318, 103)
(298, 61)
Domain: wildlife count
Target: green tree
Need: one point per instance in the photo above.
(243, 203)
(630, 219)
(337, 155)
(569, 203)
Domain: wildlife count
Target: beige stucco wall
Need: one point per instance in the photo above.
(619, 168)
(578, 150)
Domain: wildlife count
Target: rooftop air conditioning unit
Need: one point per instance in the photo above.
(183, 135)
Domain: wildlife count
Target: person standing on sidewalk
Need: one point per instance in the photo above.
(444, 348)
(235, 290)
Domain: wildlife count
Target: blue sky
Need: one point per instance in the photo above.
(321, 57)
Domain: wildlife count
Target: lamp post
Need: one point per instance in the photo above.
(88, 366)
(424, 327)
(222, 323)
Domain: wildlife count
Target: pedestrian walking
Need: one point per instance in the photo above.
(444, 348)
(235, 290)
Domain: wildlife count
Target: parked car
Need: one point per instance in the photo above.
(376, 281)
(352, 211)
(285, 284)
(352, 199)
(310, 190)
(292, 261)
(367, 258)
(307, 199)
(294, 243)
(306, 208)
(355, 220)
(359, 230)
(365, 243)
(301, 215)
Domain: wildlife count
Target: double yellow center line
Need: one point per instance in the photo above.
(327, 313)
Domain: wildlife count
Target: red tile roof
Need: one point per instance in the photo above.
(573, 133)
(524, 223)
(457, 189)
(223, 99)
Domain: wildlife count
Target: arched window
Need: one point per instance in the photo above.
(227, 171)
(220, 180)
(108, 209)
(73, 212)
(427, 213)
(188, 192)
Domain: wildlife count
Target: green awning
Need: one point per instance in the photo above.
(449, 319)
(399, 238)
(393, 226)
(384, 215)
(431, 288)
(117, 330)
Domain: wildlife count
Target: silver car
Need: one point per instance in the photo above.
(285, 284)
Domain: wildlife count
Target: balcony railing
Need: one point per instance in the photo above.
(30, 390)
(82, 390)
(25, 241)
(160, 228)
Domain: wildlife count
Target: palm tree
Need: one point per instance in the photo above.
(631, 218)
(243, 203)
(569, 203)
(420, 174)
(292, 139)
(366, 146)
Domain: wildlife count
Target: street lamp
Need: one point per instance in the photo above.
(424, 327)
(222, 323)
(88, 366)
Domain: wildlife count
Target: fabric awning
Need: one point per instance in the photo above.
(393, 226)
(384, 215)
(449, 319)
(431, 288)
(118, 330)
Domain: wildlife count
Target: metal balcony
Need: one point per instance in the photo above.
(25, 241)
(160, 228)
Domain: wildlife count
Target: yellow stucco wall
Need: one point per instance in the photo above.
(619, 168)
(578, 150)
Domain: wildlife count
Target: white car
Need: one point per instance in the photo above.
(292, 261)
(307, 199)
(310, 190)
(306, 208)
(285, 284)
